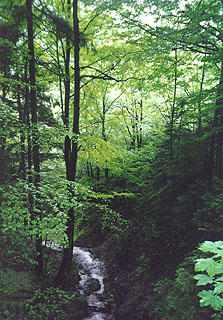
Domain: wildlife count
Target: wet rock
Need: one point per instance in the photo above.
(81, 271)
(92, 285)
(95, 303)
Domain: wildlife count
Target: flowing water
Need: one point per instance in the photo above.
(91, 268)
(91, 285)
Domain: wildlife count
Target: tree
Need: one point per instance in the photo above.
(35, 142)
(198, 29)
(71, 147)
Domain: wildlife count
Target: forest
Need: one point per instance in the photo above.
(111, 161)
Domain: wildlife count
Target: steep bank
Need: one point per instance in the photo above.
(128, 290)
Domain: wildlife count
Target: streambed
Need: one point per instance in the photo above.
(91, 285)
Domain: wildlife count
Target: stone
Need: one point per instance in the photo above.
(92, 285)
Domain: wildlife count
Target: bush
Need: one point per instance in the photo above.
(211, 276)
(177, 298)
(52, 304)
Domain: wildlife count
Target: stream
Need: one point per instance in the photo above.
(91, 268)
(91, 285)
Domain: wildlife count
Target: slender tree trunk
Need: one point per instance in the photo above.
(3, 98)
(173, 106)
(71, 150)
(88, 169)
(29, 146)
(219, 128)
(139, 132)
(5, 89)
(128, 130)
(67, 80)
(23, 114)
(98, 174)
(35, 142)
(211, 162)
(60, 77)
(106, 176)
(103, 120)
(103, 133)
(200, 99)
(91, 170)
(22, 167)
(133, 125)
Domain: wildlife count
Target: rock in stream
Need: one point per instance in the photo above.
(91, 285)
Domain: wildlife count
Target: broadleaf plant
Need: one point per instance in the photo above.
(212, 277)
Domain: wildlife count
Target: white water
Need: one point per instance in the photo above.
(90, 268)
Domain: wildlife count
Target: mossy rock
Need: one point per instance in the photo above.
(92, 285)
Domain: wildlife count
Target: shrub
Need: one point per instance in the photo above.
(54, 304)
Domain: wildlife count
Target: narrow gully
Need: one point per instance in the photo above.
(91, 285)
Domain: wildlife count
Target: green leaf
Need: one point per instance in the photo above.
(208, 298)
(210, 246)
(208, 265)
(201, 265)
(218, 287)
(203, 279)
(213, 268)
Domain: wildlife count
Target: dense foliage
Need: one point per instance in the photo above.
(111, 135)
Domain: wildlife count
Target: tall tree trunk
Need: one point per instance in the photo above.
(91, 170)
(71, 150)
(4, 88)
(200, 98)
(3, 98)
(60, 77)
(29, 147)
(103, 133)
(98, 177)
(103, 120)
(23, 114)
(35, 140)
(173, 106)
(219, 128)
(22, 167)
(139, 131)
(88, 169)
(106, 176)
(133, 126)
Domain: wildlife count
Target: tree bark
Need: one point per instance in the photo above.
(173, 106)
(60, 78)
(104, 136)
(200, 99)
(35, 142)
(71, 149)
(22, 167)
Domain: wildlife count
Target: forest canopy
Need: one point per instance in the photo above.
(111, 136)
